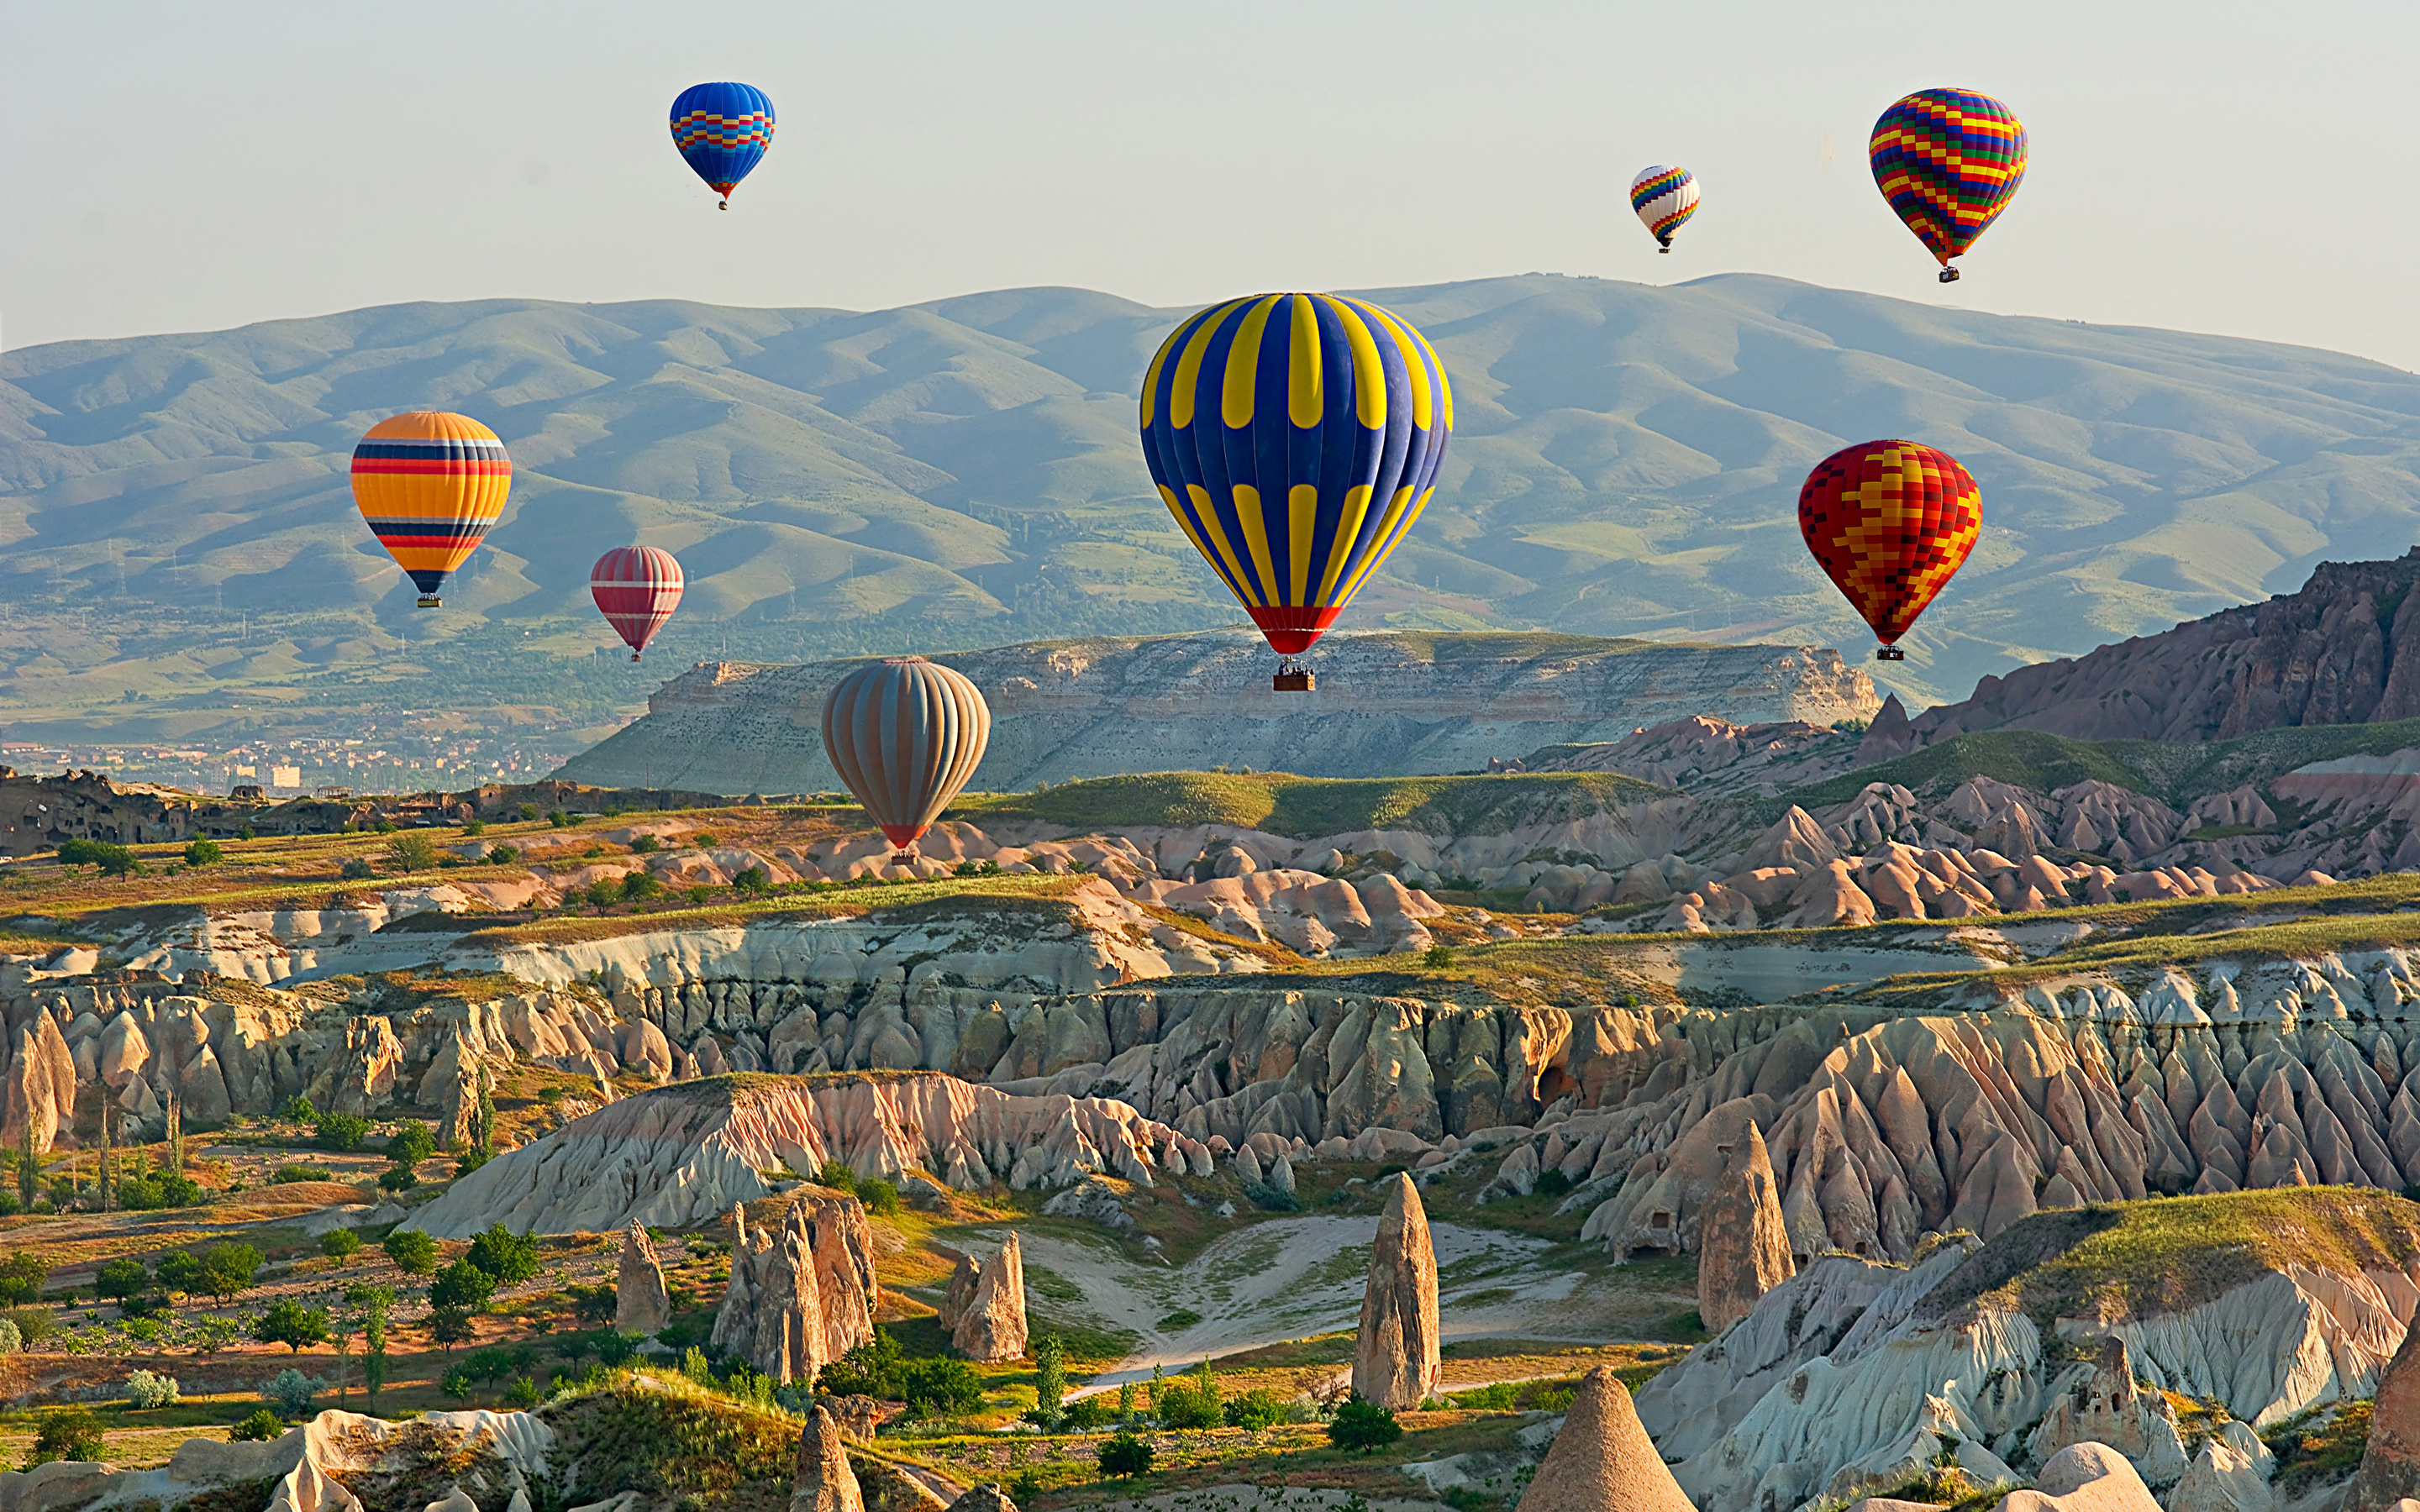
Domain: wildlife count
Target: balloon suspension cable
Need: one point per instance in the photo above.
(1949, 275)
(1889, 653)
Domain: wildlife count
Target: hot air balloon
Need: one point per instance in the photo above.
(1664, 198)
(1295, 438)
(905, 735)
(722, 131)
(1891, 522)
(636, 588)
(1949, 161)
(430, 484)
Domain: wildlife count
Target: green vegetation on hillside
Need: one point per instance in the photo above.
(1280, 803)
(2117, 1261)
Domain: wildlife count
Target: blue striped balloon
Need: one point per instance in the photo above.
(722, 131)
(1295, 438)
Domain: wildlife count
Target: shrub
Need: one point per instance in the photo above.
(354, 868)
(413, 1252)
(203, 853)
(1552, 1182)
(1498, 1397)
(509, 1258)
(639, 885)
(33, 1325)
(646, 845)
(835, 1174)
(66, 1433)
(867, 1370)
(289, 1175)
(120, 1278)
(146, 1391)
(1087, 1412)
(461, 1286)
(342, 1132)
(290, 1392)
(1436, 957)
(703, 840)
(1124, 1455)
(11, 1339)
(1258, 1409)
(259, 1427)
(602, 893)
(528, 812)
(879, 1196)
(112, 861)
(398, 1179)
(1184, 1404)
(411, 1143)
(1269, 1199)
(503, 854)
(298, 1109)
(290, 1323)
(751, 880)
(700, 894)
(1361, 1426)
(613, 1348)
(939, 1388)
(21, 1277)
(472, 828)
(1025, 1488)
(525, 1393)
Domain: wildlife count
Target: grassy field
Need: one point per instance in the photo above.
(1303, 807)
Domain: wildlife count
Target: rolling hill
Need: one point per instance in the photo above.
(963, 473)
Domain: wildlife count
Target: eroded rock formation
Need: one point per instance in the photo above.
(1744, 1248)
(802, 1289)
(824, 1482)
(2390, 1466)
(1601, 1460)
(641, 1303)
(984, 1310)
(1395, 1361)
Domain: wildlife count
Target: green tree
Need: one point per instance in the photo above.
(398, 1179)
(639, 885)
(751, 881)
(449, 1326)
(227, 1268)
(340, 1243)
(112, 861)
(1049, 1381)
(1361, 1426)
(29, 1166)
(203, 853)
(866, 1370)
(457, 1384)
(341, 1132)
(411, 1143)
(939, 1388)
(413, 1252)
(528, 812)
(509, 1257)
(461, 1284)
(372, 1304)
(1257, 1409)
(290, 1323)
(181, 1272)
(22, 1278)
(298, 1109)
(120, 1278)
(66, 1433)
(503, 854)
(1124, 1455)
(411, 851)
(880, 1198)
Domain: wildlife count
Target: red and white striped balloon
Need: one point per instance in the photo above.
(637, 587)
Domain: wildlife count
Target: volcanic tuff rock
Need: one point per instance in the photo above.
(802, 1291)
(1743, 1247)
(2390, 1466)
(1601, 1460)
(2089, 1477)
(986, 1311)
(641, 1303)
(1395, 1361)
(682, 1155)
(1386, 703)
(824, 1482)
(2106, 1407)
(2344, 649)
(988, 1496)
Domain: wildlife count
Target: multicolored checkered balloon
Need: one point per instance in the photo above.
(1891, 522)
(1949, 161)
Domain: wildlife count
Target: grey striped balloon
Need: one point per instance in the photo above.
(905, 734)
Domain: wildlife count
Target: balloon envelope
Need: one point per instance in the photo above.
(1664, 198)
(636, 589)
(905, 734)
(430, 484)
(722, 131)
(1891, 522)
(1295, 438)
(1949, 161)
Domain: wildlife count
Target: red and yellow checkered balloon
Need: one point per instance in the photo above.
(1891, 522)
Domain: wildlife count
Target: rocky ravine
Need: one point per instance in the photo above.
(1386, 703)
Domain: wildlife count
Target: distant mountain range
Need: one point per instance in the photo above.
(965, 474)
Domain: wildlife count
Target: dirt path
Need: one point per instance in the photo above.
(1287, 1278)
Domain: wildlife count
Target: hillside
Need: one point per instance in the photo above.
(1386, 705)
(184, 556)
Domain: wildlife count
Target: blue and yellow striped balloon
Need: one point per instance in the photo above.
(1295, 438)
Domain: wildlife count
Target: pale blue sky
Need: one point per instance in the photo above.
(2244, 168)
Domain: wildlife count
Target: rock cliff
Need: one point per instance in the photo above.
(2344, 649)
(1386, 703)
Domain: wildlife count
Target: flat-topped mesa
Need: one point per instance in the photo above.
(641, 1303)
(984, 1311)
(1063, 710)
(802, 1291)
(1395, 1360)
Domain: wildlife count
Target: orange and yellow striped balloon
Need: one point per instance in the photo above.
(430, 484)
